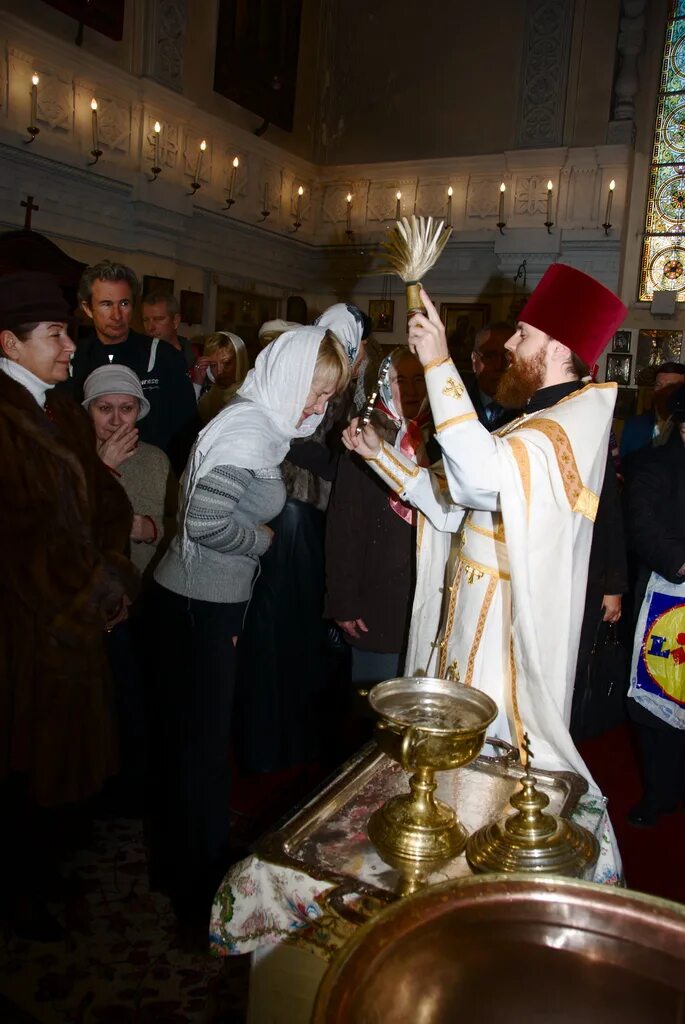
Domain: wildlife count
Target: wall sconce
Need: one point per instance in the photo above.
(501, 223)
(33, 128)
(398, 205)
(196, 183)
(156, 168)
(549, 223)
(266, 212)
(298, 209)
(231, 184)
(95, 152)
(349, 232)
(607, 216)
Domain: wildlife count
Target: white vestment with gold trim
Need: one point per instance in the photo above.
(523, 503)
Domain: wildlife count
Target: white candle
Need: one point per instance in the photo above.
(449, 207)
(502, 190)
(550, 186)
(198, 165)
(349, 211)
(266, 197)
(610, 199)
(298, 204)
(231, 184)
(398, 207)
(34, 99)
(94, 118)
(157, 129)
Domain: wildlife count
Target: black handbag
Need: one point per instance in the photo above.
(601, 705)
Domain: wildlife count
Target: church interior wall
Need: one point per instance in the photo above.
(161, 229)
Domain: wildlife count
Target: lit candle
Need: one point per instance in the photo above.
(266, 197)
(198, 165)
(349, 211)
(298, 204)
(157, 129)
(550, 186)
(34, 98)
(94, 118)
(449, 207)
(610, 199)
(502, 190)
(231, 184)
(398, 208)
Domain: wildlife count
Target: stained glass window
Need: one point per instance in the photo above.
(663, 254)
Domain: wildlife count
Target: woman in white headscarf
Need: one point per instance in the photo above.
(219, 372)
(232, 488)
(286, 662)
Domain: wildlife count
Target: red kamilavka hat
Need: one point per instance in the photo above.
(574, 309)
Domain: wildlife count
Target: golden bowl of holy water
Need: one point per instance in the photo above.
(426, 725)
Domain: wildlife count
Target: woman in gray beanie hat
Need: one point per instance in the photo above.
(114, 400)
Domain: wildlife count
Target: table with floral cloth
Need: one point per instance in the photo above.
(264, 901)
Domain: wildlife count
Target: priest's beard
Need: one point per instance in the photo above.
(521, 380)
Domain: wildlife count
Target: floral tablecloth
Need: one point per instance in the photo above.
(261, 903)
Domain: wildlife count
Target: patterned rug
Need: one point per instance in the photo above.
(122, 962)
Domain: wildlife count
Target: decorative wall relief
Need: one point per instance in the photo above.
(544, 73)
(482, 199)
(115, 124)
(167, 21)
(382, 201)
(530, 195)
(55, 102)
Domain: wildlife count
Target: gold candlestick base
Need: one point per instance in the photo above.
(530, 840)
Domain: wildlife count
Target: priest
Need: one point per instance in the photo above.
(520, 505)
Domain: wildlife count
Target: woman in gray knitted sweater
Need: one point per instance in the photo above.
(232, 487)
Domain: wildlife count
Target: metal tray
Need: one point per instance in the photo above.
(327, 837)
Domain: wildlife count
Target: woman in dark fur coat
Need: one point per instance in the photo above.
(65, 579)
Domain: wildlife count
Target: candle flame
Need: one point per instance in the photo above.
(93, 104)
(300, 191)
(157, 127)
(612, 185)
(236, 161)
(203, 145)
(550, 186)
(349, 197)
(35, 79)
(450, 191)
(503, 187)
(398, 196)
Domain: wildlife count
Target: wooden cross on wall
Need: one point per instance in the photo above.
(29, 207)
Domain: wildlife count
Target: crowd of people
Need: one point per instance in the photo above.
(205, 560)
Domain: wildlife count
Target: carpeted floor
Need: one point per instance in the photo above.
(123, 962)
(652, 857)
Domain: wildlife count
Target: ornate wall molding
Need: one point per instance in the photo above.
(166, 36)
(546, 52)
(631, 40)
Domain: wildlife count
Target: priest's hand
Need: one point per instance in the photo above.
(350, 627)
(611, 606)
(426, 335)
(365, 443)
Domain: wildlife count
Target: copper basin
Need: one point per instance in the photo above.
(511, 949)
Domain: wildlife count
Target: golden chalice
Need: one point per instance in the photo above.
(427, 725)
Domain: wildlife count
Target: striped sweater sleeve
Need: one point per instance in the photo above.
(210, 519)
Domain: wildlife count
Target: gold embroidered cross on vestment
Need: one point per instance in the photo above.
(453, 388)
